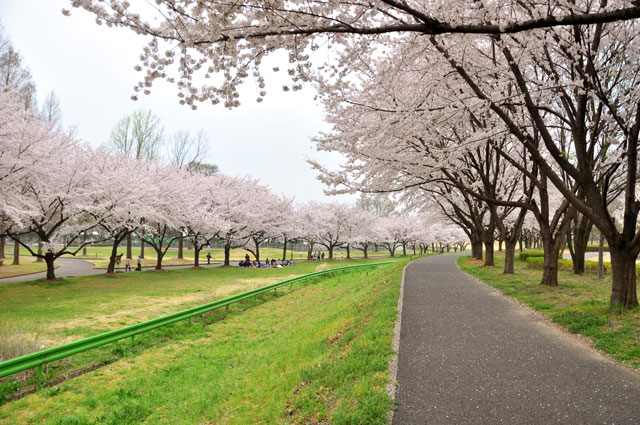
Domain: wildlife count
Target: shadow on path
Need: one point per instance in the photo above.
(469, 355)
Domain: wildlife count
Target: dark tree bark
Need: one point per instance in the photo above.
(284, 249)
(227, 254)
(129, 246)
(50, 258)
(365, 252)
(348, 252)
(196, 255)
(476, 249)
(39, 259)
(141, 246)
(580, 240)
(16, 251)
(488, 257)
(2, 247)
(623, 275)
(180, 249)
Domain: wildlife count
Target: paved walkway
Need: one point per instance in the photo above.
(469, 355)
(78, 267)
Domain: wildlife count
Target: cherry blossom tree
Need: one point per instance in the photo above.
(191, 41)
(363, 234)
(268, 220)
(201, 224)
(129, 192)
(236, 205)
(166, 213)
(63, 205)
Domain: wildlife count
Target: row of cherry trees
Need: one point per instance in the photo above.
(62, 191)
(495, 112)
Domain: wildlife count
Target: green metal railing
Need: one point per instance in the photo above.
(37, 359)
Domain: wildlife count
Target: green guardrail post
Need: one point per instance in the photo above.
(39, 373)
(189, 320)
(132, 340)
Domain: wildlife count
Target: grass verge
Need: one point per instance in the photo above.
(580, 303)
(318, 354)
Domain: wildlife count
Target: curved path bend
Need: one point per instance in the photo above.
(469, 355)
(79, 267)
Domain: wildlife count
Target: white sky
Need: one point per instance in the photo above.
(90, 68)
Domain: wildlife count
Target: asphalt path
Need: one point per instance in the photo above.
(78, 267)
(469, 355)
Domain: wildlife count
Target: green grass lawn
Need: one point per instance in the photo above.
(580, 303)
(316, 354)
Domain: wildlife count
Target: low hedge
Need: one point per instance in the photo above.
(590, 267)
(531, 253)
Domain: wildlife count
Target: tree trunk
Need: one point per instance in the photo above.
(51, 268)
(580, 241)
(500, 245)
(550, 265)
(2, 246)
(476, 250)
(257, 253)
(520, 244)
(227, 255)
(129, 250)
(84, 248)
(623, 276)
(509, 256)
(348, 252)
(159, 260)
(330, 253)
(141, 248)
(488, 258)
(39, 258)
(310, 252)
(111, 268)
(601, 257)
(366, 253)
(180, 249)
(284, 249)
(404, 249)
(196, 255)
(16, 251)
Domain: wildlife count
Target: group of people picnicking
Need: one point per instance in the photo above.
(268, 264)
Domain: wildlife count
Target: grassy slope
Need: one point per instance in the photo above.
(315, 355)
(83, 306)
(580, 303)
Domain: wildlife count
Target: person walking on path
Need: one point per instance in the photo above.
(467, 354)
(139, 267)
(208, 258)
(127, 265)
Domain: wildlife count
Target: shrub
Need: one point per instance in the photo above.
(531, 253)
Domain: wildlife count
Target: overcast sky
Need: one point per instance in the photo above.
(90, 68)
